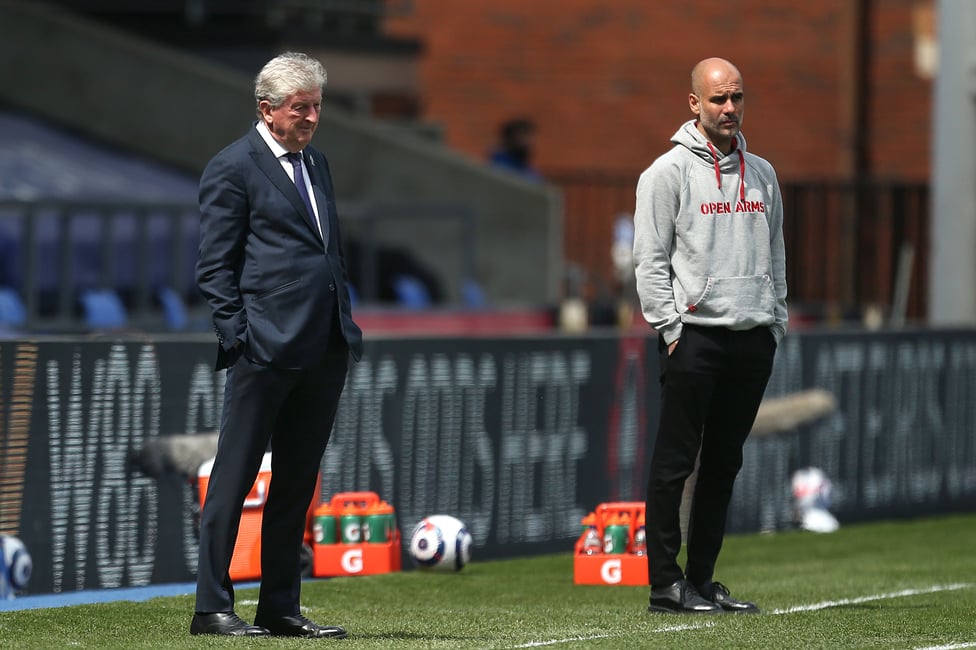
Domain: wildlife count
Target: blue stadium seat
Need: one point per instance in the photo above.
(473, 295)
(411, 292)
(103, 309)
(174, 311)
(12, 312)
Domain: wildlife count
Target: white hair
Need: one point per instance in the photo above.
(285, 75)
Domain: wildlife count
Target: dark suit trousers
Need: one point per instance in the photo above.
(294, 410)
(712, 385)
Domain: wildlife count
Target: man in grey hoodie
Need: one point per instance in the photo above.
(711, 276)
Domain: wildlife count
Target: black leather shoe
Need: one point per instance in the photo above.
(680, 598)
(719, 594)
(300, 626)
(225, 623)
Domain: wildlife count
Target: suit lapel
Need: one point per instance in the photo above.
(322, 189)
(271, 167)
(325, 214)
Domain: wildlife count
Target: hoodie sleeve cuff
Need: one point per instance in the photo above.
(778, 333)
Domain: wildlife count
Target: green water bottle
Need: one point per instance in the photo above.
(351, 526)
(615, 534)
(378, 524)
(324, 526)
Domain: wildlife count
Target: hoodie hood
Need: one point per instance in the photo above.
(691, 138)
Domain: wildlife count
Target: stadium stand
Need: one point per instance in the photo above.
(382, 166)
(12, 313)
(411, 292)
(103, 309)
(87, 230)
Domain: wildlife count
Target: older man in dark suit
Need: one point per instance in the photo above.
(272, 269)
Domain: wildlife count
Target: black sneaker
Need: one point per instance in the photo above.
(719, 594)
(680, 598)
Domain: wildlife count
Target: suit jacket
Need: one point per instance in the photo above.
(271, 281)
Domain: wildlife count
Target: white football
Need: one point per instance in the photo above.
(440, 542)
(15, 566)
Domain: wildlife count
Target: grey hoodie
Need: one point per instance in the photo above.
(708, 239)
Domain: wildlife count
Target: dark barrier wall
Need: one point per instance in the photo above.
(902, 442)
(517, 437)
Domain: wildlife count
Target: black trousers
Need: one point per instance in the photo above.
(711, 389)
(293, 410)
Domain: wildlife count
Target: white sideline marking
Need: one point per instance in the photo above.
(866, 599)
(667, 628)
(683, 627)
(539, 644)
(792, 610)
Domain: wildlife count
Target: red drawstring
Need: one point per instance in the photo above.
(718, 172)
(742, 170)
(742, 176)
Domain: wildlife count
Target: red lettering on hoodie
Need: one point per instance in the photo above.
(750, 206)
(714, 207)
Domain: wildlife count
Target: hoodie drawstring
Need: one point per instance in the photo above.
(742, 176)
(718, 170)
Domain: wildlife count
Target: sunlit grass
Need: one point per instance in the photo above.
(908, 584)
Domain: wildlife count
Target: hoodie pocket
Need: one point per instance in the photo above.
(745, 298)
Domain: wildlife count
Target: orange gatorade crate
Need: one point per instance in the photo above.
(246, 561)
(355, 535)
(611, 549)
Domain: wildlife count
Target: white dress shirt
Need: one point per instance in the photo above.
(281, 154)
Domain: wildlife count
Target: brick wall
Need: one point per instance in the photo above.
(607, 80)
(831, 89)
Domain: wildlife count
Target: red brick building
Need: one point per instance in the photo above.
(838, 92)
(831, 85)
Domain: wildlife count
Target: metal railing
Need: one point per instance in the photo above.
(853, 247)
(53, 253)
(850, 247)
(56, 256)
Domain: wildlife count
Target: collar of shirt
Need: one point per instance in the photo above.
(279, 152)
(273, 144)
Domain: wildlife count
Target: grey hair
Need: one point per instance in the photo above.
(285, 75)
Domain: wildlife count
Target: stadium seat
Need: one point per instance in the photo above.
(174, 311)
(411, 292)
(12, 312)
(103, 309)
(353, 295)
(473, 295)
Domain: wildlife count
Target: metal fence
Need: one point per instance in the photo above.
(851, 248)
(78, 264)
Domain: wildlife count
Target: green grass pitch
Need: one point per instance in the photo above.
(902, 584)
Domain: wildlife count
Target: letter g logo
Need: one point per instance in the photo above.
(610, 572)
(352, 561)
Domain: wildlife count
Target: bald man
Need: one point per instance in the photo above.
(711, 276)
